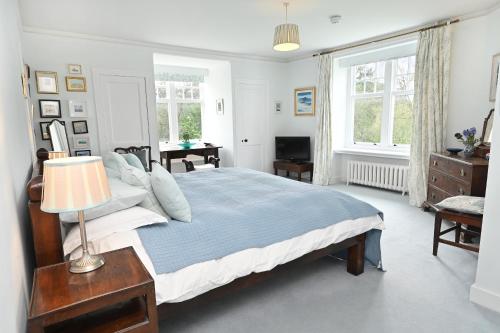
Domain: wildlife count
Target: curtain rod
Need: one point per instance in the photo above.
(384, 38)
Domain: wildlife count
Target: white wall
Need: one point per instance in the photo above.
(53, 52)
(472, 50)
(15, 170)
(486, 289)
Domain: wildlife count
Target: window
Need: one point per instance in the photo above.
(381, 103)
(179, 106)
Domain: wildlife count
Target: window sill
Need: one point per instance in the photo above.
(400, 155)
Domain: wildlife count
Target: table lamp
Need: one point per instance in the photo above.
(57, 154)
(75, 184)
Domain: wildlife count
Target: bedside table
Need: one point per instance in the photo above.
(119, 296)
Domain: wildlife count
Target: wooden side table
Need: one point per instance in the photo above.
(298, 167)
(120, 296)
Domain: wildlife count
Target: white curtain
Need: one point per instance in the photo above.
(430, 107)
(323, 149)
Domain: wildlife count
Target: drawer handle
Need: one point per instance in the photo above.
(434, 179)
(461, 191)
(435, 163)
(462, 172)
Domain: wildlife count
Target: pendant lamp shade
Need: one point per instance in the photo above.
(286, 36)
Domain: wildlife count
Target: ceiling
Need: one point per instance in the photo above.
(239, 26)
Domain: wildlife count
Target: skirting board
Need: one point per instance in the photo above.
(485, 298)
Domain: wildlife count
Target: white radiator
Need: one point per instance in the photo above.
(387, 176)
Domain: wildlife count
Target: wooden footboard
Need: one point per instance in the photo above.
(355, 265)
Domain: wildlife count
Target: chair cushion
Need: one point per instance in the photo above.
(169, 194)
(463, 204)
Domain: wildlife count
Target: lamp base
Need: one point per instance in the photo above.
(87, 263)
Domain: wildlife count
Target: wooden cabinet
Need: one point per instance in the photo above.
(455, 175)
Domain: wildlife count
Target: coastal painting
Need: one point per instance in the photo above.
(305, 101)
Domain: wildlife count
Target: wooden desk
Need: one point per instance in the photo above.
(119, 296)
(298, 167)
(171, 152)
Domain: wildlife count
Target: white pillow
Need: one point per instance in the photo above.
(114, 161)
(169, 194)
(463, 204)
(123, 196)
(124, 220)
(142, 179)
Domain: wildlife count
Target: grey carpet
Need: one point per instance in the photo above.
(417, 293)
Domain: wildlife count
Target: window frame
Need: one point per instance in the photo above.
(173, 101)
(388, 102)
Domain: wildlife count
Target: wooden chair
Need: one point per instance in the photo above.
(213, 162)
(133, 149)
(459, 219)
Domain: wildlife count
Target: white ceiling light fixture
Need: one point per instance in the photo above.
(286, 36)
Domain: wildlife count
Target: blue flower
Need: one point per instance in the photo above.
(472, 131)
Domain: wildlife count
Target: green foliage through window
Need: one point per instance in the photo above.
(367, 119)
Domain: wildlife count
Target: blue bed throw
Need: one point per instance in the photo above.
(235, 209)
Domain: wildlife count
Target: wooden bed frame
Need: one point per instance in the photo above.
(48, 250)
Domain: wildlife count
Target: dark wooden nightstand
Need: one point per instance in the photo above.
(120, 296)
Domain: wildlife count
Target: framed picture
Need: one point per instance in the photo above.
(80, 127)
(277, 107)
(495, 69)
(83, 152)
(46, 82)
(76, 84)
(44, 130)
(78, 109)
(74, 69)
(81, 142)
(305, 101)
(219, 106)
(50, 108)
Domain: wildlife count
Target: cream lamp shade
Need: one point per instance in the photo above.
(73, 184)
(286, 36)
(57, 154)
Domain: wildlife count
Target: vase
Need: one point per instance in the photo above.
(469, 151)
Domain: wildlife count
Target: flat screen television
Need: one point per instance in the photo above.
(293, 148)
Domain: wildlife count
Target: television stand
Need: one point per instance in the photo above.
(298, 167)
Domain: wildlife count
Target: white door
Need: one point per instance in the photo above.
(251, 123)
(122, 111)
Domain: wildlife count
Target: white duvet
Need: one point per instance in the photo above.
(199, 278)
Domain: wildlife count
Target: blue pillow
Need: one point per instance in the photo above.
(169, 194)
(134, 161)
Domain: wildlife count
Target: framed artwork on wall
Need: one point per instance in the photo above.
(77, 109)
(219, 106)
(44, 130)
(83, 152)
(50, 108)
(74, 69)
(76, 84)
(495, 70)
(80, 127)
(46, 82)
(81, 142)
(305, 101)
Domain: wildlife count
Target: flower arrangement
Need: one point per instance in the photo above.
(468, 138)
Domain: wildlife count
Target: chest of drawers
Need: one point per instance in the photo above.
(455, 175)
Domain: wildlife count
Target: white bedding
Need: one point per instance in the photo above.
(199, 278)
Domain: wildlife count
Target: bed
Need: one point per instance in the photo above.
(220, 256)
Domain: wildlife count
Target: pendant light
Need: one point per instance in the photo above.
(286, 36)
